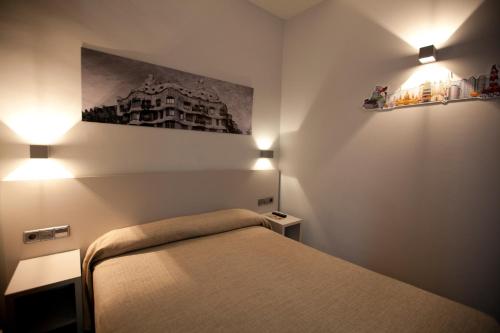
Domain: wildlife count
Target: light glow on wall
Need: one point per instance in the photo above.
(39, 169)
(39, 126)
(263, 164)
(436, 34)
(42, 126)
(419, 23)
(432, 72)
(264, 143)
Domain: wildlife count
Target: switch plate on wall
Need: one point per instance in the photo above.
(37, 235)
(265, 201)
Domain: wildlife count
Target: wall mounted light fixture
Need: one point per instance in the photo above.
(427, 54)
(39, 166)
(266, 153)
(37, 151)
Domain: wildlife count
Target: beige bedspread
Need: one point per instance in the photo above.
(237, 276)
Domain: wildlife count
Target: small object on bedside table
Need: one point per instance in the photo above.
(288, 226)
(45, 294)
(280, 214)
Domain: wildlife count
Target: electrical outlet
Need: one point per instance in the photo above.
(30, 236)
(37, 235)
(265, 201)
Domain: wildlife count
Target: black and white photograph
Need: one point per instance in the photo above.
(119, 90)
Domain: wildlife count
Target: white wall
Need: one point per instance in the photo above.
(40, 90)
(414, 193)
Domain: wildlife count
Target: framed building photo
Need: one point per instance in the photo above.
(118, 90)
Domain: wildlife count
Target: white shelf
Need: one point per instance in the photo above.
(433, 103)
(42, 271)
(45, 294)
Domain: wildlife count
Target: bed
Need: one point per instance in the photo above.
(225, 271)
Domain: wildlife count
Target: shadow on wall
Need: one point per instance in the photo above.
(139, 198)
(408, 193)
(2, 267)
(7, 150)
(11, 155)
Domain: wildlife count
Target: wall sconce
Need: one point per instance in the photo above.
(39, 166)
(427, 54)
(266, 153)
(37, 151)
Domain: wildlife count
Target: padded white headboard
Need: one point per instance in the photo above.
(95, 205)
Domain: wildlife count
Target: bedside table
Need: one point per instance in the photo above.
(289, 226)
(45, 294)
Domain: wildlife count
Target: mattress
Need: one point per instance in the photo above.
(246, 278)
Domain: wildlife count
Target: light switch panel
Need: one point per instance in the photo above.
(60, 232)
(37, 235)
(265, 201)
(45, 234)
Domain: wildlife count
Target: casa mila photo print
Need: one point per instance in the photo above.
(118, 90)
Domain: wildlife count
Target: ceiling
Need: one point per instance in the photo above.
(285, 9)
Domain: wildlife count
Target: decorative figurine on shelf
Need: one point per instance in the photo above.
(377, 100)
(425, 92)
(493, 89)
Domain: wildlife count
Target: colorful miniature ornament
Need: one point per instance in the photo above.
(493, 88)
(377, 100)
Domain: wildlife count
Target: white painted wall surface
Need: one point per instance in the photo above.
(414, 193)
(40, 89)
